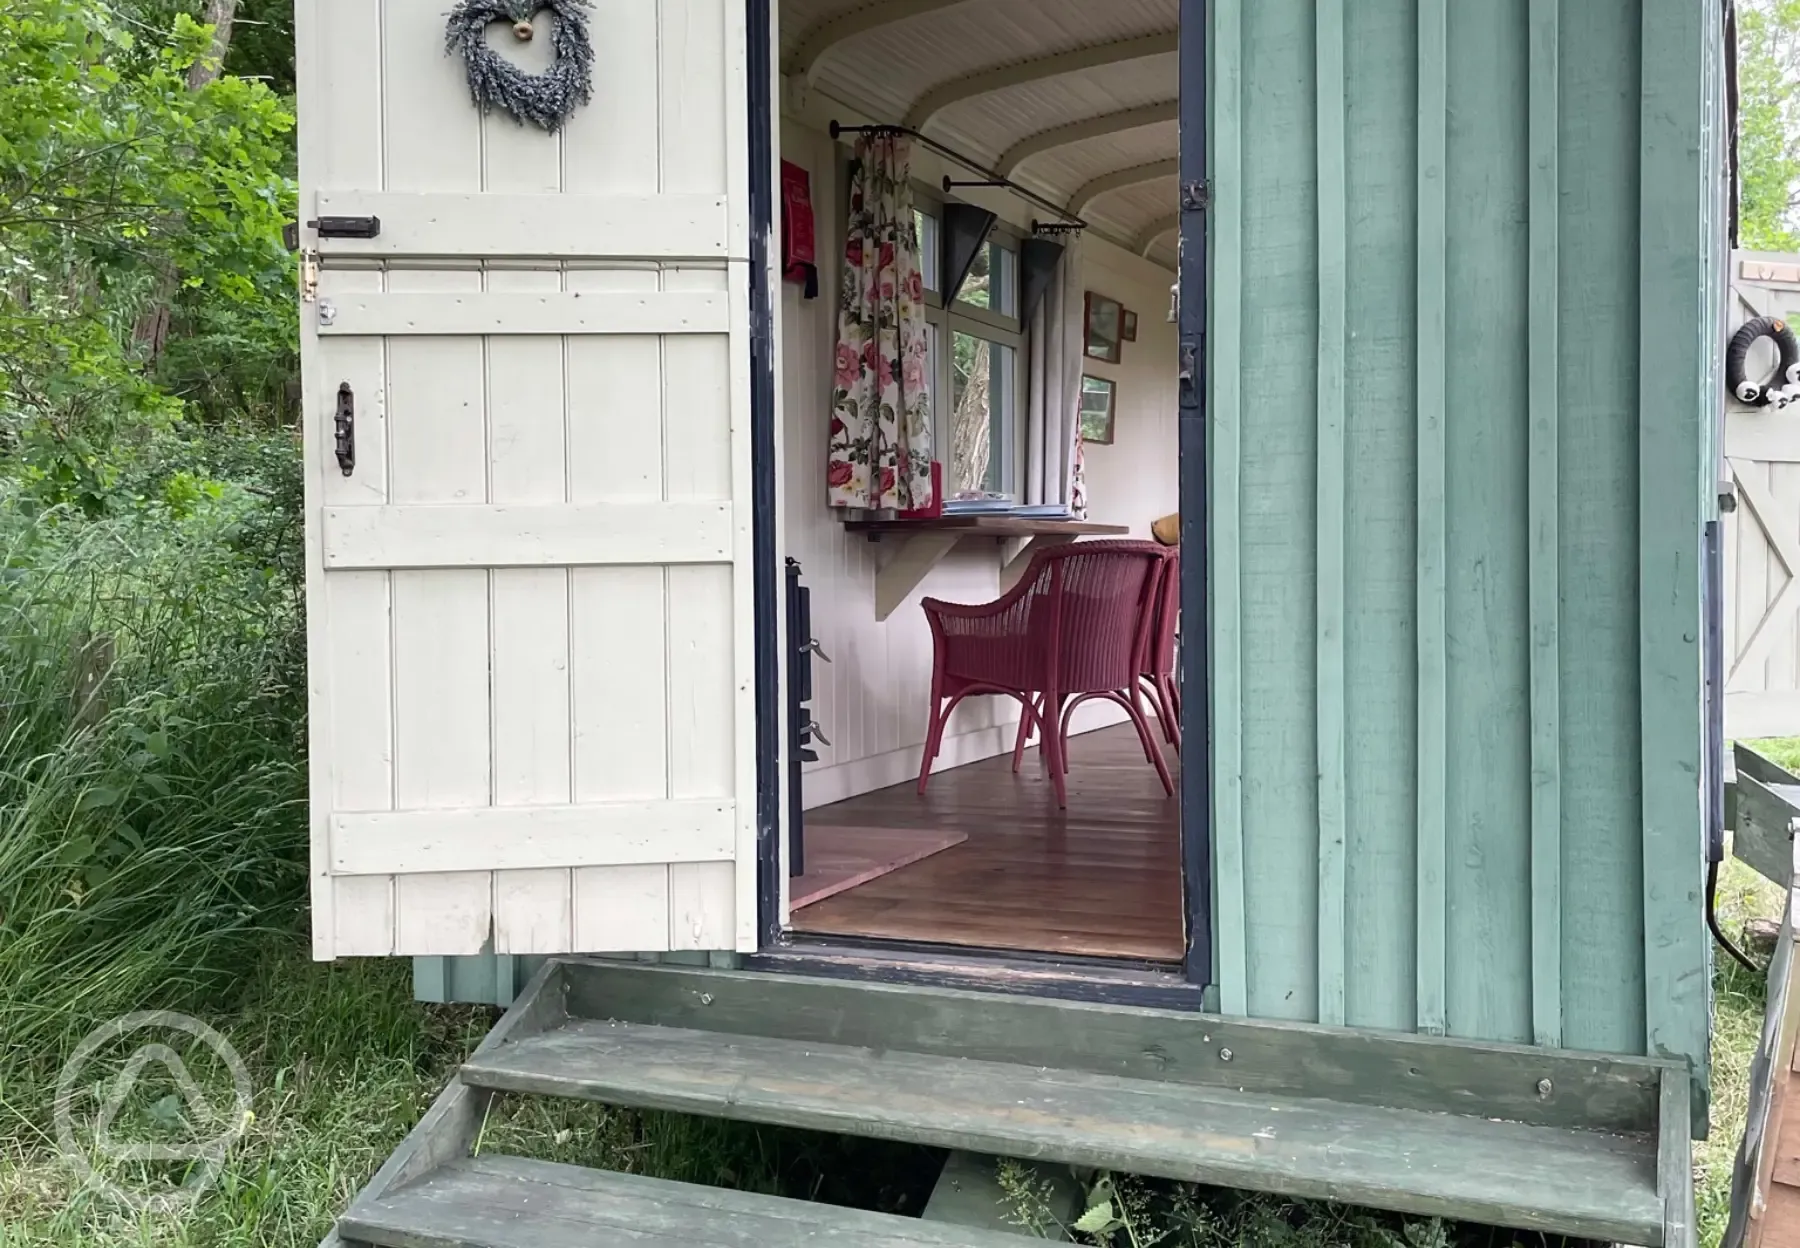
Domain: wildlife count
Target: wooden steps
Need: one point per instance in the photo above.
(507, 1202)
(1576, 1144)
(1543, 1178)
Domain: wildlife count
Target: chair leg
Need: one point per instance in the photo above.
(1164, 706)
(1150, 747)
(1056, 747)
(1171, 700)
(934, 735)
(1027, 719)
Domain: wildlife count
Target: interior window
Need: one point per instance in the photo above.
(927, 228)
(980, 423)
(975, 288)
(973, 356)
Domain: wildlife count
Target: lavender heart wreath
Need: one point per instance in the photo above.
(547, 100)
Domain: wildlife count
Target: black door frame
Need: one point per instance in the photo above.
(1196, 780)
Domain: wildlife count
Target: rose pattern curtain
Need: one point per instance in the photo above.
(879, 451)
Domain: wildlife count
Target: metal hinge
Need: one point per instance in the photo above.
(309, 276)
(1196, 196)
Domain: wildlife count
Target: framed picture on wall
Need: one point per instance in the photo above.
(1099, 396)
(1128, 326)
(1105, 325)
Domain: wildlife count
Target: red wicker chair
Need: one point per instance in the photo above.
(1158, 678)
(1075, 627)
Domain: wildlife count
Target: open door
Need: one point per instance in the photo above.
(529, 531)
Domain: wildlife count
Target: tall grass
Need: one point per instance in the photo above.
(152, 774)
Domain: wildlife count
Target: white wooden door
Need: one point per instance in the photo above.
(1762, 536)
(531, 638)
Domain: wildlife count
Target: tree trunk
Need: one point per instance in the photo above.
(220, 14)
(151, 330)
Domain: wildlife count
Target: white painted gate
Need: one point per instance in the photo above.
(531, 638)
(1762, 536)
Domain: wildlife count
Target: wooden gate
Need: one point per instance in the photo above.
(1762, 536)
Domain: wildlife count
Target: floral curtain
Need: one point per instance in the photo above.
(880, 444)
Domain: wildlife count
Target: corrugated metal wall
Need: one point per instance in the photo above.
(1463, 259)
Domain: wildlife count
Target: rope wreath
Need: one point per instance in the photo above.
(547, 100)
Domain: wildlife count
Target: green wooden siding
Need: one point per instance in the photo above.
(1464, 286)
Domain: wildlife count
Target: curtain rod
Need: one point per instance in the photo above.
(989, 177)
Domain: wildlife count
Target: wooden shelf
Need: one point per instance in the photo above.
(928, 541)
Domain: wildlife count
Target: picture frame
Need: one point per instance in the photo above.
(1128, 326)
(1103, 320)
(1099, 407)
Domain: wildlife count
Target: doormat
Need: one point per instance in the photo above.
(842, 858)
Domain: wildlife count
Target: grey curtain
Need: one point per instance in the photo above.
(1053, 376)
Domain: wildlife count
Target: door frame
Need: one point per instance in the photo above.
(956, 967)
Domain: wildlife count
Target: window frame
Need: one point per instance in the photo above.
(947, 320)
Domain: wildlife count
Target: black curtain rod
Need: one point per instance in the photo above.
(990, 178)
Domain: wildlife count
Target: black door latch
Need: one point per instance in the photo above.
(346, 227)
(346, 429)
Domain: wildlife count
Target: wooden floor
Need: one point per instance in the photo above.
(1101, 879)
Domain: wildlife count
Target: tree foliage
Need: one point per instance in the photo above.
(1768, 124)
(121, 186)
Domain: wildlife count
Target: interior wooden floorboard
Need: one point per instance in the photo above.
(1099, 879)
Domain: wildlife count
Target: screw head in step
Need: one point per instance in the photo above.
(1545, 1087)
(706, 998)
(1224, 1055)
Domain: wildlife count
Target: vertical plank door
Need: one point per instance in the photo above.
(527, 489)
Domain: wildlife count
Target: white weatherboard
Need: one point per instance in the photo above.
(530, 631)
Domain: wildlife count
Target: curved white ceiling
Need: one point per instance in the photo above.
(1076, 96)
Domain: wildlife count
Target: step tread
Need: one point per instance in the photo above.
(510, 1202)
(1572, 1181)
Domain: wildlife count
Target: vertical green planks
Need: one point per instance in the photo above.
(1487, 873)
(1226, 408)
(1456, 552)
(1602, 919)
(1380, 506)
(1544, 595)
(1276, 486)
(1672, 285)
(1433, 350)
(1329, 620)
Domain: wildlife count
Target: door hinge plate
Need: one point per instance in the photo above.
(1196, 196)
(309, 276)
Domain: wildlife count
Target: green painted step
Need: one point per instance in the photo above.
(1591, 1183)
(508, 1202)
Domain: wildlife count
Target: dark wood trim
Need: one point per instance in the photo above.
(1193, 457)
(764, 562)
(875, 962)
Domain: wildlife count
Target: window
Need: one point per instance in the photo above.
(975, 354)
(927, 227)
(979, 451)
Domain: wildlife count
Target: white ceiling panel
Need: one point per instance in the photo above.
(1124, 213)
(1061, 170)
(883, 70)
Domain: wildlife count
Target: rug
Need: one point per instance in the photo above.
(842, 858)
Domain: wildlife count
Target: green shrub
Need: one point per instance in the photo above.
(152, 775)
